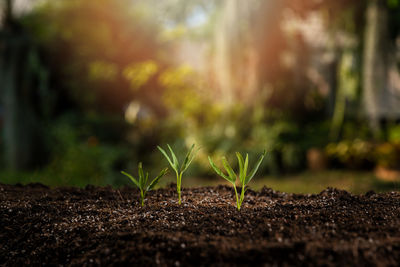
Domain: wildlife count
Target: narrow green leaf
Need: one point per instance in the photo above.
(242, 175)
(155, 181)
(141, 175)
(191, 158)
(167, 157)
(246, 165)
(131, 177)
(229, 170)
(218, 171)
(253, 172)
(176, 162)
(188, 164)
(188, 159)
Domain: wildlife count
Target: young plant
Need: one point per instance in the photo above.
(141, 183)
(243, 176)
(178, 168)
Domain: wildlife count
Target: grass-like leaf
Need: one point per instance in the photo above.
(253, 172)
(218, 171)
(246, 165)
(167, 157)
(242, 175)
(132, 178)
(229, 169)
(188, 159)
(155, 180)
(175, 160)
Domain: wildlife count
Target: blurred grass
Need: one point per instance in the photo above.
(307, 182)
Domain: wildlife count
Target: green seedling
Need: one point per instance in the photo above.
(178, 168)
(243, 176)
(141, 183)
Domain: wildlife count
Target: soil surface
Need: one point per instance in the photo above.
(105, 226)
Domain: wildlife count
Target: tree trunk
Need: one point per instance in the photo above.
(375, 62)
(19, 121)
(7, 11)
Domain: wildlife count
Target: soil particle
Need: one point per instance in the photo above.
(105, 226)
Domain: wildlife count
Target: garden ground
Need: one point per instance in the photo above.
(101, 225)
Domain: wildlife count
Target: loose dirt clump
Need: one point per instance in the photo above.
(105, 226)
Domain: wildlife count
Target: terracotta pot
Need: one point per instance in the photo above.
(387, 174)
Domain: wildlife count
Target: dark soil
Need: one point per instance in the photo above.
(104, 226)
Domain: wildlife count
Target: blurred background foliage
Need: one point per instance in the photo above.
(90, 88)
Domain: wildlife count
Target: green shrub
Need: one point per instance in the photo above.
(83, 152)
(387, 155)
(352, 154)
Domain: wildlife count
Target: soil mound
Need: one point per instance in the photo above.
(105, 226)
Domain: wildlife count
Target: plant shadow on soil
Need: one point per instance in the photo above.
(106, 226)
